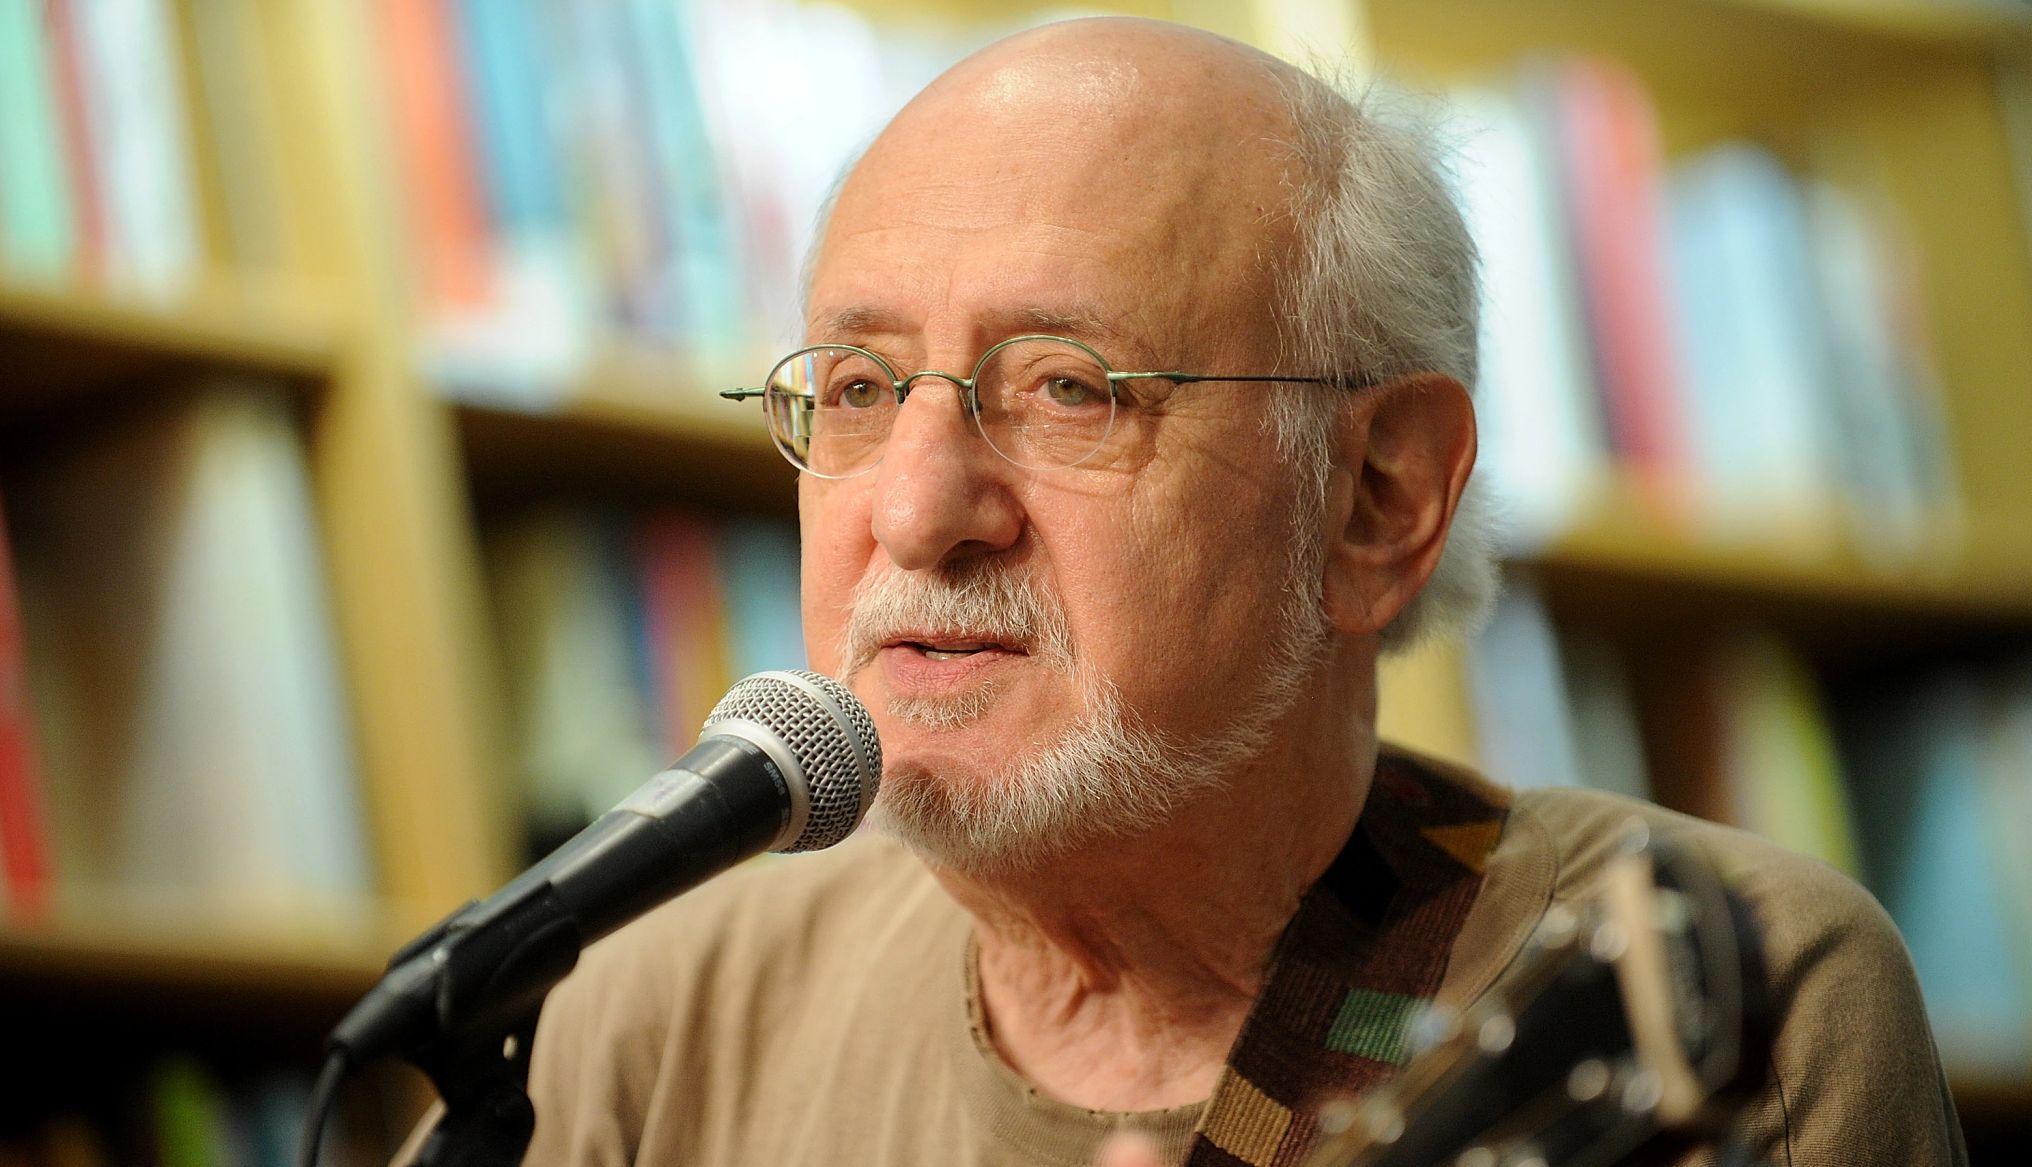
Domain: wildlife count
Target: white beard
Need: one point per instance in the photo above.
(1109, 775)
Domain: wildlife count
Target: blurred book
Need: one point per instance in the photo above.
(196, 746)
(24, 828)
(1734, 345)
(1892, 458)
(435, 161)
(1523, 725)
(132, 89)
(38, 234)
(1608, 739)
(684, 611)
(188, 1113)
(566, 608)
(1539, 422)
(583, 174)
(1782, 774)
(761, 566)
(1939, 787)
(619, 632)
(1612, 170)
(1737, 731)
(1552, 709)
(139, 142)
(1753, 352)
(181, 1109)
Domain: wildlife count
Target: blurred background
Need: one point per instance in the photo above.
(368, 520)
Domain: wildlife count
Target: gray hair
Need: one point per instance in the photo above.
(1381, 283)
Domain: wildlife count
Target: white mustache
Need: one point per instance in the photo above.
(981, 600)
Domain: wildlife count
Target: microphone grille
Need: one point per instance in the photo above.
(828, 731)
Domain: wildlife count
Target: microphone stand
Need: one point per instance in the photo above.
(495, 983)
(484, 1081)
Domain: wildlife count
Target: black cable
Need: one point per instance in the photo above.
(323, 1097)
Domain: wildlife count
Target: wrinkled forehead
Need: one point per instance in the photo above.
(1089, 185)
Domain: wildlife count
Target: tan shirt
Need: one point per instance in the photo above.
(819, 1010)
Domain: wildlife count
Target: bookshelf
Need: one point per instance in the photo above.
(61, 344)
(1893, 94)
(320, 972)
(632, 428)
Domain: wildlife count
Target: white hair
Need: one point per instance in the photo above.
(1381, 284)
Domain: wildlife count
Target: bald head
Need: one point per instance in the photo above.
(1132, 162)
(1155, 89)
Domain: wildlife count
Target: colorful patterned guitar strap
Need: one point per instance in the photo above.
(1364, 954)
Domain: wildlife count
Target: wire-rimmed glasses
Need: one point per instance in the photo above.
(1042, 402)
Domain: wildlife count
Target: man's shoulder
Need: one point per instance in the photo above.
(1796, 896)
(1854, 1074)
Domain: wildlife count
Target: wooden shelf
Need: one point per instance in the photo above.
(1720, 67)
(1622, 569)
(62, 344)
(190, 955)
(1974, 24)
(635, 429)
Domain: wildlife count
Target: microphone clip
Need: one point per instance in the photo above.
(461, 1003)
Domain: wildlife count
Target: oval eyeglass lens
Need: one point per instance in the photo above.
(830, 409)
(1045, 403)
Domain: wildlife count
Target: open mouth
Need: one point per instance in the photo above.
(953, 648)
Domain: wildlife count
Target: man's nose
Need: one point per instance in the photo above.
(940, 492)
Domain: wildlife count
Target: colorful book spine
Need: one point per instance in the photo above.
(685, 621)
(1540, 423)
(134, 104)
(24, 828)
(200, 750)
(764, 622)
(1917, 749)
(81, 158)
(701, 267)
(38, 236)
(1612, 163)
(433, 138)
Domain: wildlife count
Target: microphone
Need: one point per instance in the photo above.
(787, 761)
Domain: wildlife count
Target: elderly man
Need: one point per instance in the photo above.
(1135, 428)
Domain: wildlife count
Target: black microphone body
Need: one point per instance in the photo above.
(743, 789)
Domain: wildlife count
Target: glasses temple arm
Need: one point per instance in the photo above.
(1195, 378)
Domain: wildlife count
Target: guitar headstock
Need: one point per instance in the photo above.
(1636, 1013)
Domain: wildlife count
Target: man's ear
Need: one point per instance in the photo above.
(1403, 453)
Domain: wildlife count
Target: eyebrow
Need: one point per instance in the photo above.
(1074, 321)
(858, 321)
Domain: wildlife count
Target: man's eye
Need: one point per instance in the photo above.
(1068, 392)
(859, 394)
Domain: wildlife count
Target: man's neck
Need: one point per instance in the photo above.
(1118, 977)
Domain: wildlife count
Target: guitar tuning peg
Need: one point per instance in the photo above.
(1642, 1092)
(1588, 1080)
(1429, 1028)
(1557, 927)
(1337, 1116)
(1495, 1033)
(1633, 836)
(1609, 942)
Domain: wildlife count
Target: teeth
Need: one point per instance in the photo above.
(945, 654)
